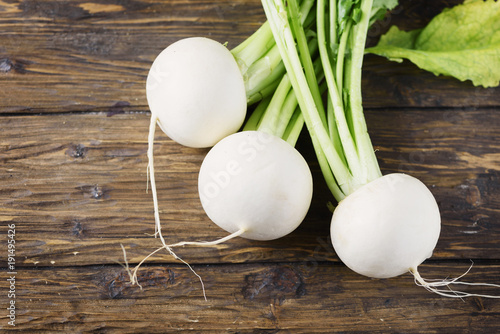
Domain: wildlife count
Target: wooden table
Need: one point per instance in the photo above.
(74, 122)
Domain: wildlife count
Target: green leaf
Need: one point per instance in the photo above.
(463, 42)
(344, 11)
(388, 4)
(380, 8)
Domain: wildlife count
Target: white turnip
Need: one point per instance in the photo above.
(383, 226)
(251, 184)
(387, 227)
(196, 92)
(255, 183)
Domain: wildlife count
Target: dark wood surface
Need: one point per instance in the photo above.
(73, 141)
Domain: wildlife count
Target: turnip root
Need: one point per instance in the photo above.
(387, 227)
(252, 184)
(196, 92)
(255, 183)
(197, 96)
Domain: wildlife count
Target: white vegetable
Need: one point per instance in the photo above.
(252, 184)
(255, 183)
(387, 227)
(196, 92)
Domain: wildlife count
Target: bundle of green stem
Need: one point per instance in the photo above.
(305, 49)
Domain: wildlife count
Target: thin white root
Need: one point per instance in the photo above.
(449, 292)
(151, 178)
(147, 176)
(151, 171)
(127, 268)
(133, 273)
(209, 243)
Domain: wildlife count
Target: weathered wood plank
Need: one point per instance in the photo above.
(77, 185)
(303, 297)
(400, 85)
(73, 182)
(83, 55)
(59, 56)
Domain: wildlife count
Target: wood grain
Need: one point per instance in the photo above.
(252, 298)
(79, 183)
(82, 55)
(73, 141)
(85, 56)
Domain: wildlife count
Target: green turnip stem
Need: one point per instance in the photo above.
(259, 58)
(263, 74)
(332, 26)
(294, 128)
(353, 73)
(305, 56)
(252, 49)
(332, 129)
(278, 113)
(285, 39)
(259, 63)
(270, 120)
(339, 67)
(339, 134)
(288, 119)
(339, 115)
(254, 120)
(258, 94)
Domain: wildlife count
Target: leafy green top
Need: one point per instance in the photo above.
(463, 42)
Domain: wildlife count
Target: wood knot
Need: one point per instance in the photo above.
(77, 151)
(473, 196)
(95, 191)
(78, 230)
(5, 65)
(277, 283)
